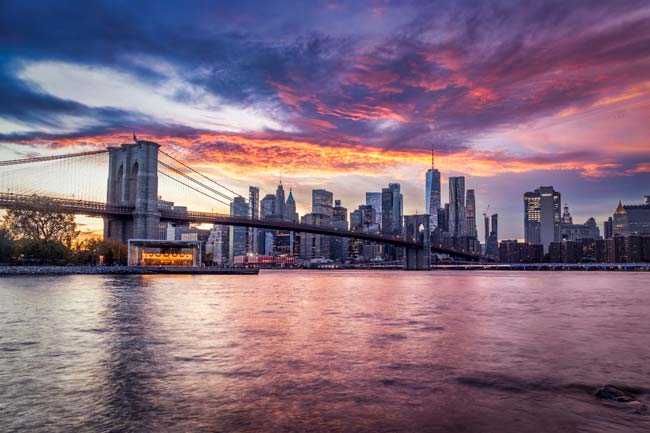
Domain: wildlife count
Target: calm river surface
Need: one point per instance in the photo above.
(330, 351)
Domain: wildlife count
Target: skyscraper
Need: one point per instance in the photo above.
(339, 245)
(279, 201)
(321, 202)
(492, 244)
(391, 209)
(267, 206)
(432, 195)
(254, 210)
(542, 216)
(238, 235)
(290, 213)
(470, 214)
(608, 228)
(456, 216)
(339, 213)
(374, 199)
(631, 219)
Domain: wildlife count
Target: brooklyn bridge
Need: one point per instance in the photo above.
(141, 176)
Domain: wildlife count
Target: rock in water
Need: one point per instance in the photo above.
(610, 392)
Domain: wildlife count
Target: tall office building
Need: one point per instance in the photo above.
(339, 213)
(374, 199)
(486, 229)
(391, 209)
(456, 216)
(632, 219)
(432, 194)
(339, 245)
(267, 206)
(314, 246)
(492, 242)
(238, 235)
(470, 214)
(290, 213)
(322, 202)
(608, 228)
(542, 217)
(254, 213)
(279, 201)
(217, 244)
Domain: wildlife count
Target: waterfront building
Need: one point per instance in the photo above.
(632, 219)
(512, 251)
(432, 193)
(374, 199)
(238, 235)
(216, 246)
(456, 216)
(286, 243)
(314, 246)
(566, 252)
(542, 216)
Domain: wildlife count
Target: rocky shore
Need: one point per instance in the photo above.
(118, 270)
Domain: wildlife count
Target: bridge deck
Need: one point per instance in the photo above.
(99, 209)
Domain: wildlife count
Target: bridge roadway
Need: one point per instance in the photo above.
(100, 209)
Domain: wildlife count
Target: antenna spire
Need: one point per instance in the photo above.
(433, 156)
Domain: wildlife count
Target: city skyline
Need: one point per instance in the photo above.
(299, 94)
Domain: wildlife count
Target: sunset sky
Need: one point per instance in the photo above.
(346, 96)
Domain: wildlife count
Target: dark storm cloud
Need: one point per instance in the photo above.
(443, 72)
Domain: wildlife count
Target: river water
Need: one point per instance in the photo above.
(324, 351)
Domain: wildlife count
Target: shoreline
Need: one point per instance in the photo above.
(121, 270)
(151, 270)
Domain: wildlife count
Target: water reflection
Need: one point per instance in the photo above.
(323, 351)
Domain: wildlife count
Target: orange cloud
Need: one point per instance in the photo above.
(239, 155)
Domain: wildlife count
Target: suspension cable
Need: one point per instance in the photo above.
(200, 174)
(50, 158)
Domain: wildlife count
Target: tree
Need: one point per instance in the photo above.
(41, 219)
(86, 251)
(39, 251)
(7, 246)
(114, 252)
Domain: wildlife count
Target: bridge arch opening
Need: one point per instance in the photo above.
(118, 192)
(133, 183)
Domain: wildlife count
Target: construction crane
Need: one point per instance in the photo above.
(486, 211)
(486, 223)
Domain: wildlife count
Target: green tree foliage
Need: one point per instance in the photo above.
(42, 252)
(41, 220)
(43, 234)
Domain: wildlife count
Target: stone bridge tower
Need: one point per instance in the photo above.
(133, 182)
(416, 228)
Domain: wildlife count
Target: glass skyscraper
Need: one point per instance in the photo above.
(432, 196)
(456, 216)
(542, 216)
(374, 199)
